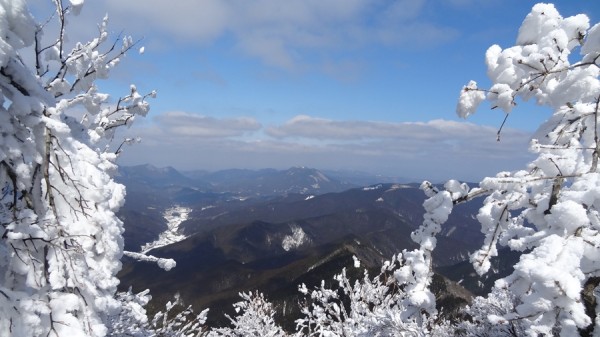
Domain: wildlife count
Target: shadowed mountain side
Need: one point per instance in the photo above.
(272, 243)
(151, 190)
(214, 266)
(266, 182)
(156, 177)
(142, 215)
(397, 202)
(206, 278)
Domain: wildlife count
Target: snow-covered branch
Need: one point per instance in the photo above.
(166, 264)
(549, 211)
(385, 305)
(61, 241)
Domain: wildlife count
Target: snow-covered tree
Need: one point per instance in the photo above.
(181, 322)
(255, 318)
(549, 210)
(176, 320)
(499, 302)
(381, 306)
(60, 241)
(131, 320)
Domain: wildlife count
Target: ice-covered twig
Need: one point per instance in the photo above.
(166, 264)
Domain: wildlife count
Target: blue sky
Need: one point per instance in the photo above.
(367, 85)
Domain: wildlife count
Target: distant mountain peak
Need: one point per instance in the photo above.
(151, 175)
(309, 172)
(151, 168)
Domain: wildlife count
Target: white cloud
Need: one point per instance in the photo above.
(198, 20)
(438, 149)
(436, 130)
(279, 33)
(186, 125)
(440, 140)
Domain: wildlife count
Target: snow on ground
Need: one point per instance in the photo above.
(295, 240)
(397, 187)
(174, 216)
(371, 188)
(319, 177)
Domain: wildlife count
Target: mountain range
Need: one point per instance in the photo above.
(272, 230)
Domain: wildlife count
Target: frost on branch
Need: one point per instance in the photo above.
(166, 264)
(380, 306)
(549, 210)
(488, 317)
(181, 323)
(470, 98)
(255, 318)
(175, 321)
(61, 241)
(131, 320)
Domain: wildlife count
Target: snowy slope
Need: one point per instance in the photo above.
(174, 216)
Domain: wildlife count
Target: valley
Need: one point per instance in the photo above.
(174, 216)
(245, 230)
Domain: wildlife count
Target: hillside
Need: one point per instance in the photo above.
(239, 242)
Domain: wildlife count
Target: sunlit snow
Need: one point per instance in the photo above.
(295, 240)
(320, 177)
(166, 264)
(174, 216)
